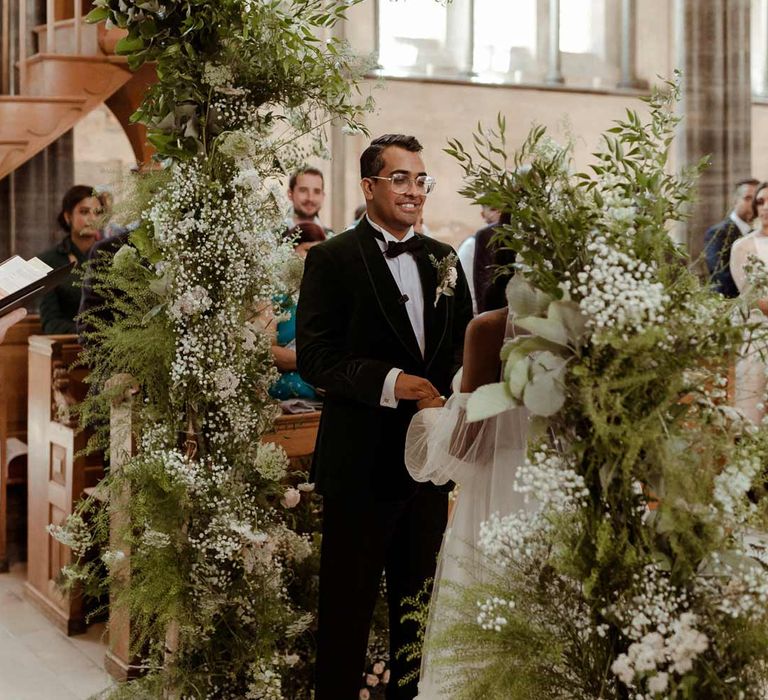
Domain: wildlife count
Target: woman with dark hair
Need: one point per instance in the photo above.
(79, 219)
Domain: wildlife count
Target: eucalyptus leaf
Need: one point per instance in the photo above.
(544, 395)
(524, 299)
(488, 401)
(517, 375)
(550, 329)
(569, 314)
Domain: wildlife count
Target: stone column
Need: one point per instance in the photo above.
(554, 63)
(713, 41)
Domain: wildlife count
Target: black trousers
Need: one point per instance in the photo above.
(360, 540)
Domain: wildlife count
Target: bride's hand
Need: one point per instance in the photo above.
(437, 402)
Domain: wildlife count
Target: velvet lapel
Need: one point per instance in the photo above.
(435, 316)
(386, 290)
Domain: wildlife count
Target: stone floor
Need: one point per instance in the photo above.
(37, 661)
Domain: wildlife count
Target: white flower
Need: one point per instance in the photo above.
(658, 683)
(226, 382)
(622, 668)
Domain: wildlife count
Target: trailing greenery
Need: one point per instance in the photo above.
(216, 556)
(641, 573)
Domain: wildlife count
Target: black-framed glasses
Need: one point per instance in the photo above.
(401, 183)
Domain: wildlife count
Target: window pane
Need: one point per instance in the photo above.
(411, 33)
(505, 35)
(577, 24)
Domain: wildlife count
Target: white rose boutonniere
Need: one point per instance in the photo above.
(447, 275)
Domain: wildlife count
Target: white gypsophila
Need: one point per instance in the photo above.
(732, 485)
(618, 292)
(217, 75)
(618, 209)
(113, 558)
(220, 255)
(154, 539)
(493, 613)
(265, 682)
(666, 641)
(75, 534)
(738, 592)
(510, 538)
(550, 481)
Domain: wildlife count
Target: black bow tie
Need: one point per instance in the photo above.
(393, 249)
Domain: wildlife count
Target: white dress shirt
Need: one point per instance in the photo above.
(406, 275)
(466, 254)
(742, 225)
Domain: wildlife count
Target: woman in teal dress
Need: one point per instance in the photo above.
(291, 385)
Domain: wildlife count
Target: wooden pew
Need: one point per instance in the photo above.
(57, 475)
(13, 424)
(296, 433)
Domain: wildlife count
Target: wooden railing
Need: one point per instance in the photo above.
(58, 14)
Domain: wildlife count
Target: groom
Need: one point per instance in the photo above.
(374, 332)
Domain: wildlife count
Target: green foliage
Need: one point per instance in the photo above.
(637, 413)
(274, 48)
(215, 567)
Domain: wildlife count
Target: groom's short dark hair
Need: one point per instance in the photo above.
(371, 161)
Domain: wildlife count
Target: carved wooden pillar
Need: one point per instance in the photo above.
(57, 474)
(118, 661)
(713, 40)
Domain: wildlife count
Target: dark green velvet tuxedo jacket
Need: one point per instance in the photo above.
(351, 330)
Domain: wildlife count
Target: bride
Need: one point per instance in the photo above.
(751, 367)
(482, 458)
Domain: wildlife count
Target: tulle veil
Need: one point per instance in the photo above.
(482, 458)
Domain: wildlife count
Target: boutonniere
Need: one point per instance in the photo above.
(446, 275)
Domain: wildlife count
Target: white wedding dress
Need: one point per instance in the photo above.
(751, 366)
(482, 458)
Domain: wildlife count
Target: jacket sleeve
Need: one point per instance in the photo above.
(53, 319)
(462, 317)
(321, 327)
(717, 254)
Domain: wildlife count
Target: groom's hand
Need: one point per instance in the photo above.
(439, 402)
(413, 388)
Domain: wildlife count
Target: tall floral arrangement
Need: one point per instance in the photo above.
(244, 89)
(640, 572)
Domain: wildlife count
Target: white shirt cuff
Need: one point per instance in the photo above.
(388, 399)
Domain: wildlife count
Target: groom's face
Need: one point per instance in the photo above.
(395, 212)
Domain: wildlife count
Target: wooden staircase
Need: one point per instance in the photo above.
(74, 70)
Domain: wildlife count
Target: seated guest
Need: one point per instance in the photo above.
(291, 385)
(306, 190)
(79, 219)
(475, 255)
